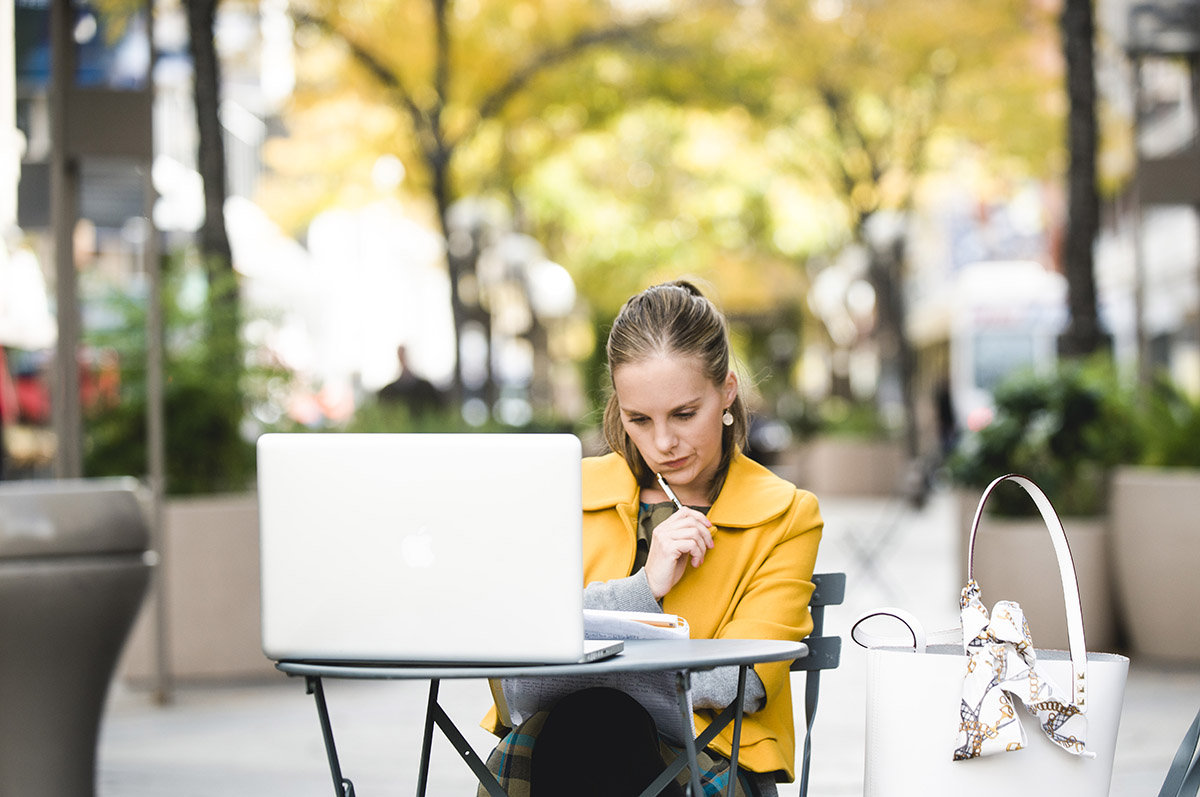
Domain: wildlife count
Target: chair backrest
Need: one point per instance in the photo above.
(824, 653)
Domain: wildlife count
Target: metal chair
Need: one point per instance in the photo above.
(824, 653)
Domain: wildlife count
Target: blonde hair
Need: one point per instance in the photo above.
(672, 319)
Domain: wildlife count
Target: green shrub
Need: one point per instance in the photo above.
(859, 420)
(208, 391)
(1168, 427)
(379, 416)
(1064, 430)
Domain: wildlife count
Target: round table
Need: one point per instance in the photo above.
(682, 656)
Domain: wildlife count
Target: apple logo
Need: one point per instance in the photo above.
(416, 549)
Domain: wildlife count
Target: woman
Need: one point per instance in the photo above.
(736, 560)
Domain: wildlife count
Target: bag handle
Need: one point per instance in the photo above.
(918, 638)
(867, 640)
(1183, 777)
(1066, 568)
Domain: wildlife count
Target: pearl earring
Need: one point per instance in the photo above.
(727, 418)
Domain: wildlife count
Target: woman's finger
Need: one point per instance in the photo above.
(689, 519)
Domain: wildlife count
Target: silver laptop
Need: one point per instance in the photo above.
(440, 548)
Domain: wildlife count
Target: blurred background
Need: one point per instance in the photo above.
(953, 239)
(262, 202)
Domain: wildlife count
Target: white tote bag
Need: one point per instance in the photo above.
(991, 714)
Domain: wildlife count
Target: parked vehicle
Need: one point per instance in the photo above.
(990, 320)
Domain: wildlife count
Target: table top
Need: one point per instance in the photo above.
(639, 655)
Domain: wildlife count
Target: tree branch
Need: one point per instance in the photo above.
(441, 73)
(917, 149)
(426, 128)
(494, 103)
(846, 130)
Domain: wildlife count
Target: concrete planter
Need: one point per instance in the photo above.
(1014, 560)
(1156, 550)
(846, 466)
(214, 606)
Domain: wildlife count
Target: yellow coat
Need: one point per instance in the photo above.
(755, 583)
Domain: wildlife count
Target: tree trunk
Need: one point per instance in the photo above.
(462, 253)
(457, 262)
(1083, 335)
(886, 274)
(210, 155)
(223, 349)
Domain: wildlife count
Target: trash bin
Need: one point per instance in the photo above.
(74, 569)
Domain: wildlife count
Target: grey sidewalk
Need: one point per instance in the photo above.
(264, 738)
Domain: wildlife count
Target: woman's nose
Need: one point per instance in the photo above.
(665, 439)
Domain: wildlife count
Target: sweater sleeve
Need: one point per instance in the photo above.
(717, 688)
(630, 594)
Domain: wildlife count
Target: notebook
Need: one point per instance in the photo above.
(407, 548)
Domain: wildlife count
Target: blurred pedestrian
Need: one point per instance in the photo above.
(415, 392)
(947, 424)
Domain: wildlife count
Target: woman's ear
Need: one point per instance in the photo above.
(730, 388)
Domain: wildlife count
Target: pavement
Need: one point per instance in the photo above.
(263, 738)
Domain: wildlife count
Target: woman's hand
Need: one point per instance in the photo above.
(685, 535)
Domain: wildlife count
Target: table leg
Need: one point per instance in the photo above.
(342, 786)
(732, 713)
(737, 730)
(434, 714)
(482, 773)
(702, 741)
(683, 685)
(427, 738)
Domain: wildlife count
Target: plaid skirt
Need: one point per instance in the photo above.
(510, 764)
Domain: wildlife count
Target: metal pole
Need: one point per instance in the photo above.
(156, 445)
(64, 183)
(1194, 75)
(10, 159)
(1135, 219)
(156, 442)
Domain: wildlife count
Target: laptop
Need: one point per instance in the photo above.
(422, 548)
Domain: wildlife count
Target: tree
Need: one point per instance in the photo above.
(210, 156)
(213, 242)
(1083, 335)
(459, 78)
(213, 239)
(822, 120)
(867, 101)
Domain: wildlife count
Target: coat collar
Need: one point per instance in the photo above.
(752, 495)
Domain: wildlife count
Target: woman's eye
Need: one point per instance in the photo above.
(638, 421)
(685, 415)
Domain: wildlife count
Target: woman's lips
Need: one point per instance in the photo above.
(675, 464)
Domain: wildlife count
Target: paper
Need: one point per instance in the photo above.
(654, 690)
(607, 624)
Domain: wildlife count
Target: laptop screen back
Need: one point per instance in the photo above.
(421, 547)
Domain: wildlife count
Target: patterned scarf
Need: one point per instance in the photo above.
(1002, 665)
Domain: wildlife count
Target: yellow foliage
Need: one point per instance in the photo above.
(735, 140)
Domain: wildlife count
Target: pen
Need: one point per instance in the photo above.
(667, 489)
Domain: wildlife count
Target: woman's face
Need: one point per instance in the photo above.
(672, 412)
